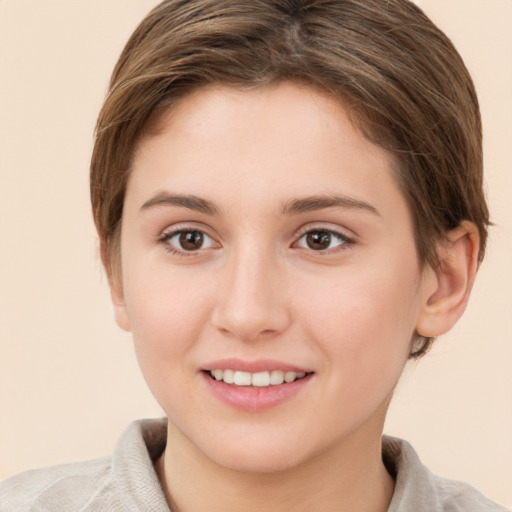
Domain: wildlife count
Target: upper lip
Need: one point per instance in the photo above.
(259, 365)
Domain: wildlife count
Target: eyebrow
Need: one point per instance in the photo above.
(292, 207)
(314, 203)
(190, 202)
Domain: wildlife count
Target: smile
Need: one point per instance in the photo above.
(259, 379)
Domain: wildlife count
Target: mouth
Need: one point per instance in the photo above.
(263, 379)
(255, 386)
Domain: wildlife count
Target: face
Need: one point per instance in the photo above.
(264, 240)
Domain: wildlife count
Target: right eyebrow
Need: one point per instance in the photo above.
(190, 202)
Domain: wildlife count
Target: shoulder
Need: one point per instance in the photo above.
(461, 497)
(418, 489)
(68, 486)
(123, 482)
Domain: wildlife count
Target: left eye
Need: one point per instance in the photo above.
(189, 240)
(321, 240)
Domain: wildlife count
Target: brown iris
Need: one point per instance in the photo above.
(191, 240)
(318, 240)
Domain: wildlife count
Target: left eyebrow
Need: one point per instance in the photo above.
(190, 202)
(314, 203)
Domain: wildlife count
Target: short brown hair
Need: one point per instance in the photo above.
(404, 83)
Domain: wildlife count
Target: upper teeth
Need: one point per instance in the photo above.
(259, 379)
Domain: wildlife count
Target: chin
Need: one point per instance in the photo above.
(262, 462)
(257, 454)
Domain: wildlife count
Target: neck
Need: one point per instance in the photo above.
(344, 478)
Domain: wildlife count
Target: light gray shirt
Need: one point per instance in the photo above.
(127, 482)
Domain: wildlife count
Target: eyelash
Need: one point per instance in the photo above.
(344, 241)
(168, 236)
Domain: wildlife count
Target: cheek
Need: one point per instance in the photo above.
(167, 313)
(167, 316)
(363, 320)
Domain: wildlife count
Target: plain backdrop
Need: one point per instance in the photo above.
(69, 382)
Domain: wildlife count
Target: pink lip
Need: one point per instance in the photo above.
(260, 365)
(249, 398)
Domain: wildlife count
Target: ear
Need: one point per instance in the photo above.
(446, 291)
(115, 280)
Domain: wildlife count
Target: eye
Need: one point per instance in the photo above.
(188, 240)
(322, 240)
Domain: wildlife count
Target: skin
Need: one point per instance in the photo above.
(256, 290)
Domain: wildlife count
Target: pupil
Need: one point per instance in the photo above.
(318, 240)
(191, 240)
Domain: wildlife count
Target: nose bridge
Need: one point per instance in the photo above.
(251, 300)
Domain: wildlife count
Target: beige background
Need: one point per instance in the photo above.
(69, 382)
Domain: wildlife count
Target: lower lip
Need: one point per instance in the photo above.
(254, 399)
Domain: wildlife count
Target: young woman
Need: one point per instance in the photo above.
(288, 196)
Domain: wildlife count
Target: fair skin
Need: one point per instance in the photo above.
(261, 231)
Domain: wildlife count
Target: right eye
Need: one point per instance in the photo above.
(187, 241)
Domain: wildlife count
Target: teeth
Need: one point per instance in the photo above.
(242, 379)
(289, 376)
(228, 376)
(276, 377)
(259, 379)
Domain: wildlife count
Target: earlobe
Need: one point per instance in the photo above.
(446, 290)
(116, 290)
(119, 305)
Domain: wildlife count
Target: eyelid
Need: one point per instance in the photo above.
(347, 240)
(328, 227)
(171, 231)
(185, 226)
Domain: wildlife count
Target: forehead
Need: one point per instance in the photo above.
(286, 139)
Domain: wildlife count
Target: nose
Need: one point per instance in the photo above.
(252, 302)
